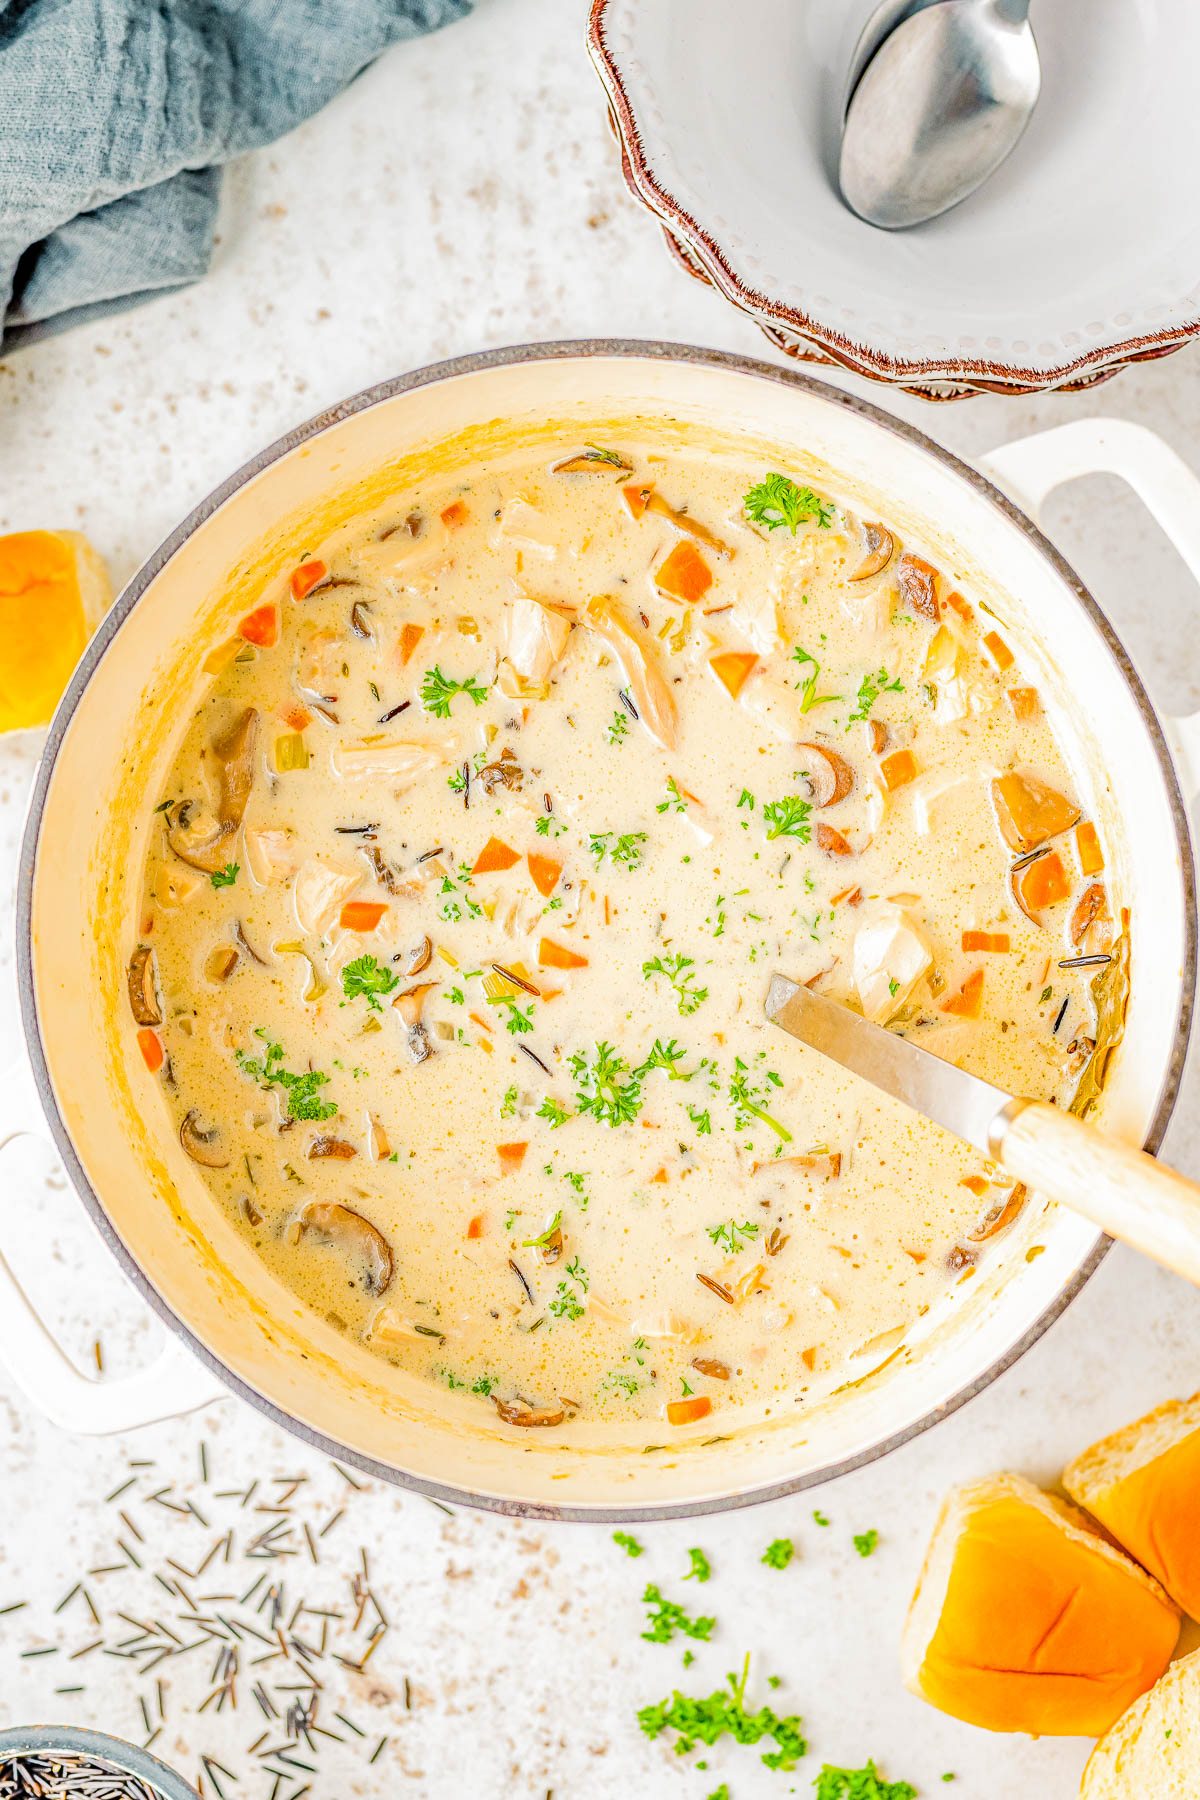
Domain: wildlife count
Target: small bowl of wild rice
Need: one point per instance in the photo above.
(61, 1762)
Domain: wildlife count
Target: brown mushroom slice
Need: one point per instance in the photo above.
(505, 772)
(1001, 1215)
(831, 840)
(201, 1146)
(879, 735)
(198, 839)
(917, 581)
(651, 692)
(143, 997)
(551, 1246)
(360, 619)
(410, 1005)
(708, 1365)
(243, 943)
(1090, 911)
(589, 460)
(220, 962)
(829, 775)
(528, 1417)
(234, 752)
(339, 1227)
(1029, 811)
(881, 547)
(419, 957)
(332, 1146)
(690, 527)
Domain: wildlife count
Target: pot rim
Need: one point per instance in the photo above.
(567, 350)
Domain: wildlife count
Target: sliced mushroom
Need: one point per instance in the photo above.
(831, 840)
(143, 997)
(410, 1005)
(655, 701)
(1001, 1215)
(918, 585)
(505, 772)
(1092, 908)
(360, 623)
(881, 547)
(220, 962)
(332, 1146)
(708, 1365)
(198, 839)
(385, 875)
(244, 943)
(234, 752)
(589, 460)
(829, 775)
(339, 1227)
(419, 957)
(551, 1246)
(691, 527)
(1029, 811)
(528, 1416)
(248, 1210)
(879, 735)
(201, 1146)
(381, 1148)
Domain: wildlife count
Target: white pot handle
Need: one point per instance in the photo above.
(1032, 467)
(173, 1384)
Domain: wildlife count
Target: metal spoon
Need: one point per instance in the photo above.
(939, 93)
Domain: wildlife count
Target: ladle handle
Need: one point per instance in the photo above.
(1124, 1191)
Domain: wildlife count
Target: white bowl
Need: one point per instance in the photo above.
(1080, 255)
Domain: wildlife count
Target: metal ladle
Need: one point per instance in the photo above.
(938, 94)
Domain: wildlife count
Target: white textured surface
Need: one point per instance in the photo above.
(465, 193)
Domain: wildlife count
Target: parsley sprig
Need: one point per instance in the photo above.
(225, 877)
(869, 691)
(438, 692)
(779, 1553)
(680, 971)
(776, 501)
(788, 817)
(626, 851)
(747, 1102)
(809, 696)
(729, 1237)
(606, 1086)
(860, 1784)
(301, 1090)
(367, 979)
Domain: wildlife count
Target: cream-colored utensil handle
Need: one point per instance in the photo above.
(1126, 1192)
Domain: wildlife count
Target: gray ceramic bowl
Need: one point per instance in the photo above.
(71, 1740)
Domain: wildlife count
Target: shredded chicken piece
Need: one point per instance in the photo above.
(535, 636)
(521, 524)
(402, 762)
(890, 957)
(319, 890)
(633, 649)
(269, 854)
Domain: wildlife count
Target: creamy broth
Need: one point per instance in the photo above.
(466, 889)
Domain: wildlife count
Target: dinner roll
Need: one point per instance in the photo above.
(1143, 1484)
(54, 590)
(1153, 1750)
(1026, 1619)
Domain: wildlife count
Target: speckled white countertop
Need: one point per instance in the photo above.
(466, 193)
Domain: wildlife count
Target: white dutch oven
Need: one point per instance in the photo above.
(113, 739)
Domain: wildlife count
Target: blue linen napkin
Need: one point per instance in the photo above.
(115, 116)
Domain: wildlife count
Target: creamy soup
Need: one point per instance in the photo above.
(467, 886)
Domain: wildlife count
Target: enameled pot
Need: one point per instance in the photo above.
(113, 739)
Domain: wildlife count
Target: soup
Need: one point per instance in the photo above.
(467, 886)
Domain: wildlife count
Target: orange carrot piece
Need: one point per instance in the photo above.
(686, 1412)
(684, 574)
(976, 1184)
(733, 668)
(554, 956)
(511, 1156)
(261, 626)
(495, 856)
(410, 637)
(957, 604)
(995, 941)
(298, 717)
(483, 1024)
(660, 1175)
(809, 1357)
(1024, 703)
(1087, 845)
(457, 513)
(1044, 882)
(969, 998)
(150, 1045)
(361, 915)
(545, 873)
(306, 577)
(475, 1228)
(635, 497)
(898, 769)
(1002, 656)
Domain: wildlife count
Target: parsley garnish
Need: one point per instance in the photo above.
(607, 1087)
(869, 691)
(788, 818)
(674, 968)
(619, 727)
(705, 1721)
(865, 1541)
(567, 1304)
(629, 1545)
(778, 1554)
(667, 1617)
(550, 1109)
(700, 1120)
(701, 1568)
(776, 500)
(543, 1237)
(674, 801)
(365, 978)
(547, 826)
(747, 1103)
(508, 1105)
(809, 696)
(861, 1784)
(438, 691)
(517, 1022)
(483, 1384)
(627, 850)
(729, 1235)
(665, 1056)
(301, 1090)
(820, 1518)
(225, 877)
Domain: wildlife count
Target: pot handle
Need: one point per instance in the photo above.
(175, 1383)
(1030, 468)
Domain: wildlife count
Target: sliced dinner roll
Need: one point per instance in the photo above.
(1143, 1484)
(54, 590)
(1153, 1750)
(1026, 1619)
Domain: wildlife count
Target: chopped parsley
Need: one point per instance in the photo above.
(747, 1102)
(606, 1086)
(548, 826)
(627, 851)
(809, 696)
(629, 1545)
(619, 727)
(675, 801)
(508, 1106)
(778, 1554)
(367, 979)
(301, 1090)
(860, 1784)
(550, 1109)
(438, 692)
(729, 1235)
(869, 691)
(517, 1022)
(865, 1541)
(700, 1120)
(776, 500)
(788, 818)
(667, 1617)
(701, 1569)
(705, 1721)
(225, 877)
(483, 1384)
(565, 1305)
(665, 1056)
(675, 969)
(820, 1518)
(543, 1237)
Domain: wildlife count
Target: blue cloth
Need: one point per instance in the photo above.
(115, 116)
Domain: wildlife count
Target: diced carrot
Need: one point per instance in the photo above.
(686, 1412)
(1087, 845)
(1002, 656)
(809, 1357)
(684, 574)
(1024, 703)
(1043, 882)
(733, 668)
(545, 872)
(832, 841)
(898, 769)
(511, 1156)
(851, 897)
(660, 1175)
(957, 604)
(969, 998)
(554, 956)
(298, 717)
(635, 497)
(495, 856)
(261, 627)
(995, 941)
(475, 1228)
(306, 577)
(410, 637)
(150, 1045)
(361, 915)
(976, 1183)
(457, 513)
